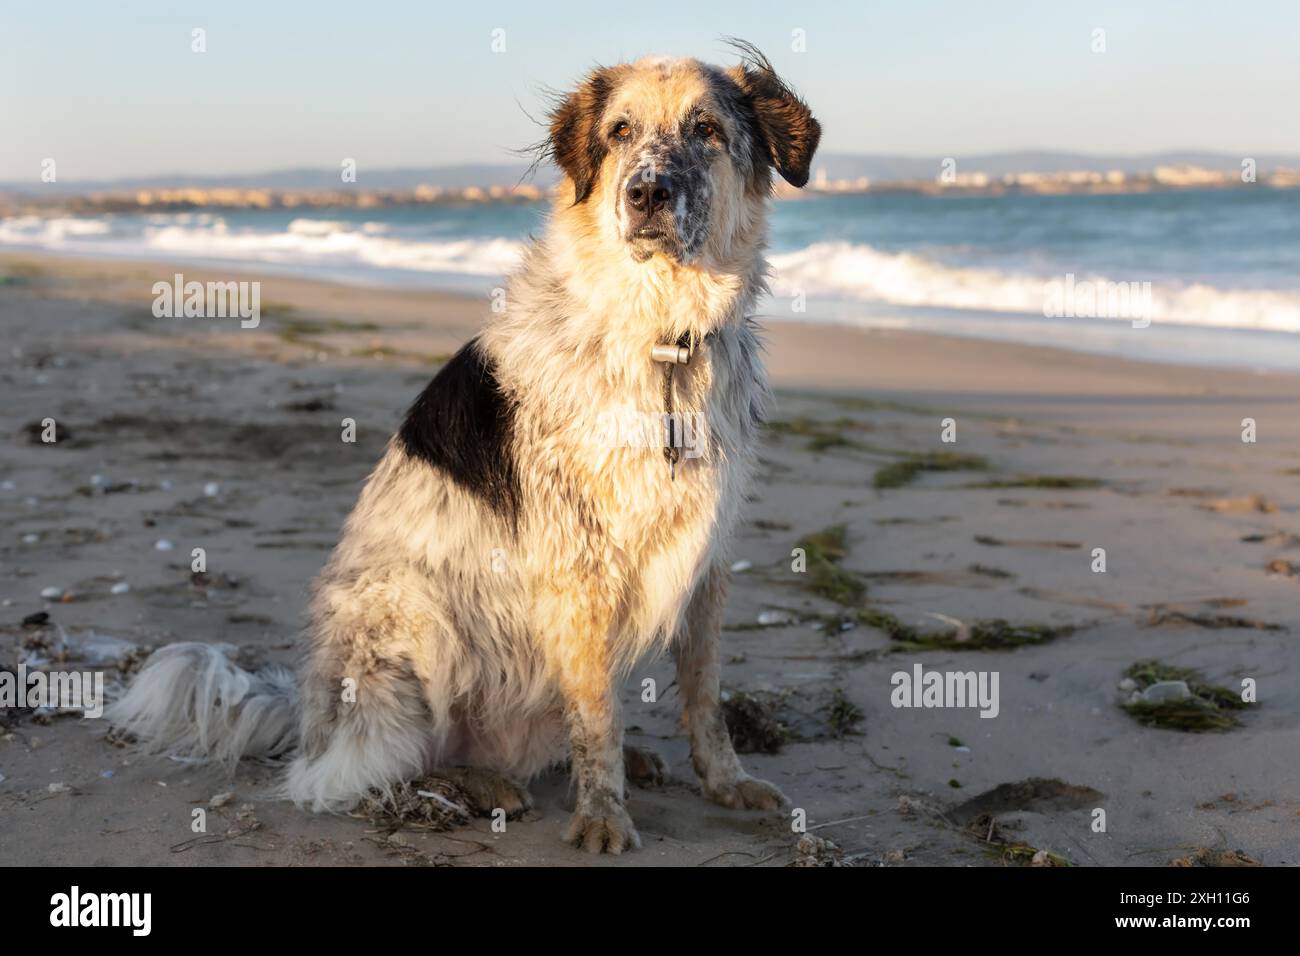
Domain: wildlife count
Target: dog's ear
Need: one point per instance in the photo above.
(577, 143)
(786, 128)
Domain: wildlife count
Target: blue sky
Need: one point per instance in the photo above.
(112, 89)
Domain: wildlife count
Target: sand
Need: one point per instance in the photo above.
(197, 433)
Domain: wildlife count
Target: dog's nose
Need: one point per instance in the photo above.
(647, 195)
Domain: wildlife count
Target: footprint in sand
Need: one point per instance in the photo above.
(993, 542)
(1246, 505)
(1278, 539)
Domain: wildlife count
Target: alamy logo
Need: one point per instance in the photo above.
(79, 690)
(628, 428)
(103, 909)
(1098, 300)
(211, 300)
(922, 688)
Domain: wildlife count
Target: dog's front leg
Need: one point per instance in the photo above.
(577, 649)
(698, 671)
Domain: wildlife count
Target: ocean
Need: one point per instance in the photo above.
(1196, 277)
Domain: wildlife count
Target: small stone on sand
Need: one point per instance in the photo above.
(1167, 690)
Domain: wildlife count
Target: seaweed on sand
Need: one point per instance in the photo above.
(752, 723)
(1208, 708)
(823, 551)
(992, 635)
(906, 470)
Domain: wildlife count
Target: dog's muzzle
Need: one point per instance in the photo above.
(650, 207)
(647, 197)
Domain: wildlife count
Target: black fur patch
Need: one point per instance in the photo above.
(462, 425)
(785, 132)
(577, 142)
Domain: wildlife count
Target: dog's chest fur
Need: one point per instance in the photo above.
(588, 430)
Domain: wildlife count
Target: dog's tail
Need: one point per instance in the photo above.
(191, 700)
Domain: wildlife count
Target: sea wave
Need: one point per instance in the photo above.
(53, 231)
(305, 242)
(841, 271)
(859, 272)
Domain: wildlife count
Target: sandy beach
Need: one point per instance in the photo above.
(175, 434)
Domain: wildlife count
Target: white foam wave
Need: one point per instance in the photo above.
(305, 242)
(838, 270)
(55, 230)
(859, 272)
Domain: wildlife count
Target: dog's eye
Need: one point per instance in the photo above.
(622, 131)
(706, 130)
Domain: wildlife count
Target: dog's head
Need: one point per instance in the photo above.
(672, 156)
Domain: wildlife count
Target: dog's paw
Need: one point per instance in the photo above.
(746, 793)
(643, 766)
(488, 791)
(602, 826)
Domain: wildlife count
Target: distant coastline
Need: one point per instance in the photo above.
(1082, 181)
(171, 197)
(201, 197)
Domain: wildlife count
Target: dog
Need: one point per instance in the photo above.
(508, 563)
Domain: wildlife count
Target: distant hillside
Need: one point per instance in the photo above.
(879, 168)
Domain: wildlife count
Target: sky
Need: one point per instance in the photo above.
(112, 88)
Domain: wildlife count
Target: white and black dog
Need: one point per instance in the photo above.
(508, 563)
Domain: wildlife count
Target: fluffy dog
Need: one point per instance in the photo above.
(510, 560)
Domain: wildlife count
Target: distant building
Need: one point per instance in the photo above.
(1186, 175)
(965, 181)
